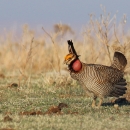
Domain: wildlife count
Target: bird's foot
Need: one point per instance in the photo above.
(96, 107)
(94, 102)
(99, 104)
(93, 106)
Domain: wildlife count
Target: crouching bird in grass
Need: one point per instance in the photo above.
(98, 80)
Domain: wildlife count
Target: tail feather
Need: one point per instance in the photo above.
(117, 93)
(119, 88)
(123, 80)
(119, 61)
(122, 83)
(120, 91)
(114, 95)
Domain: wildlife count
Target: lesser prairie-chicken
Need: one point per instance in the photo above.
(98, 80)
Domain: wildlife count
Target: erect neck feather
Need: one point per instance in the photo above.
(77, 65)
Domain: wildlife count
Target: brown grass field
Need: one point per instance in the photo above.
(33, 77)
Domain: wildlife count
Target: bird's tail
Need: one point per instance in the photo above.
(120, 88)
(119, 61)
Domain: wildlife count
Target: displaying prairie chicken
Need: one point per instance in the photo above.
(98, 80)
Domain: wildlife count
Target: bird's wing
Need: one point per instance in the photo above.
(108, 74)
(113, 79)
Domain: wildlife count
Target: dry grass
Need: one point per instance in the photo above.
(31, 54)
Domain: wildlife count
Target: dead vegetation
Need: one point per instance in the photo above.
(29, 113)
(32, 55)
(51, 110)
(7, 118)
(56, 109)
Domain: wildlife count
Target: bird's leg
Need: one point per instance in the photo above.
(94, 102)
(100, 102)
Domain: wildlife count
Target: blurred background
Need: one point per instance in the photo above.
(34, 34)
(75, 13)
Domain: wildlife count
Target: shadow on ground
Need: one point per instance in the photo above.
(119, 101)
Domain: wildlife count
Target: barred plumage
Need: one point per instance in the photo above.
(98, 80)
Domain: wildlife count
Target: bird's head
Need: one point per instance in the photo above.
(72, 59)
(69, 58)
(73, 62)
